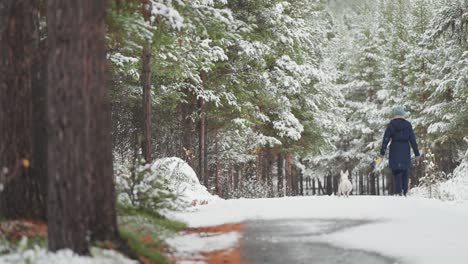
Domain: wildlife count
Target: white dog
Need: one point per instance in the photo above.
(345, 186)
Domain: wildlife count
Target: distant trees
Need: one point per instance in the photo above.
(408, 53)
(237, 84)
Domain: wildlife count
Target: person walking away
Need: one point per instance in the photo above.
(401, 134)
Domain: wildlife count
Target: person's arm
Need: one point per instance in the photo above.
(413, 143)
(386, 140)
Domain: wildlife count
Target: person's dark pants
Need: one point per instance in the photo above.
(401, 181)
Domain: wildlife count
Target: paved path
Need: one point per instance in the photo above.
(298, 242)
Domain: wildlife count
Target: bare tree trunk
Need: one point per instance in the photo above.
(280, 175)
(103, 223)
(81, 196)
(23, 194)
(301, 183)
(69, 114)
(288, 173)
(39, 126)
(313, 187)
(361, 184)
(259, 166)
(320, 187)
(217, 166)
(383, 184)
(201, 143)
(377, 183)
(188, 131)
(267, 169)
(329, 184)
(236, 177)
(146, 83)
(336, 182)
(372, 184)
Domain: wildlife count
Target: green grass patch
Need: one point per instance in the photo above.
(145, 231)
(148, 249)
(154, 217)
(171, 225)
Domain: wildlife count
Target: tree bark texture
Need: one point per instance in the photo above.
(23, 191)
(288, 173)
(201, 143)
(81, 196)
(279, 167)
(146, 84)
(187, 131)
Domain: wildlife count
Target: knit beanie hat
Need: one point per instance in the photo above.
(399, 111)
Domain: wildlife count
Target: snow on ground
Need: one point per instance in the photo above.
(188, 245)
(413, 230)
(182, 180)
(42, 256)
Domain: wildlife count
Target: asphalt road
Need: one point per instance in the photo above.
(292, 242)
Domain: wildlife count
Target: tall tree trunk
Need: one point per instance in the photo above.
(301, 183)
(320, 187)
(217, 189)
(267, 170)
(259, 166)
(201, 143)
(372, 184)
(288, 173)
(187, 131)
(383, 184)
(39, 158)
(377, 183)
(361, 184)
(146, 84)
(279, 167)
(336, 182)
(329, 184)
(23, 193)
(236, 176)
(294, 180)
(103, 223)
(79, 141)
(313, 186)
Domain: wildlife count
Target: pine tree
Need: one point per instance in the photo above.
(81, 200)
(22, 185)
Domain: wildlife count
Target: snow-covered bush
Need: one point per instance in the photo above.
(141, 187)
(182, 181)
(167, 183)
(455, 188)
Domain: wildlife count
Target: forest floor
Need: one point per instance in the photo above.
(360, 229)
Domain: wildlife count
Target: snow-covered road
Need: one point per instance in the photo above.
(408, 230)
(299, 241)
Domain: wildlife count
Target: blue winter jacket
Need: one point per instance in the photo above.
(401, 134)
